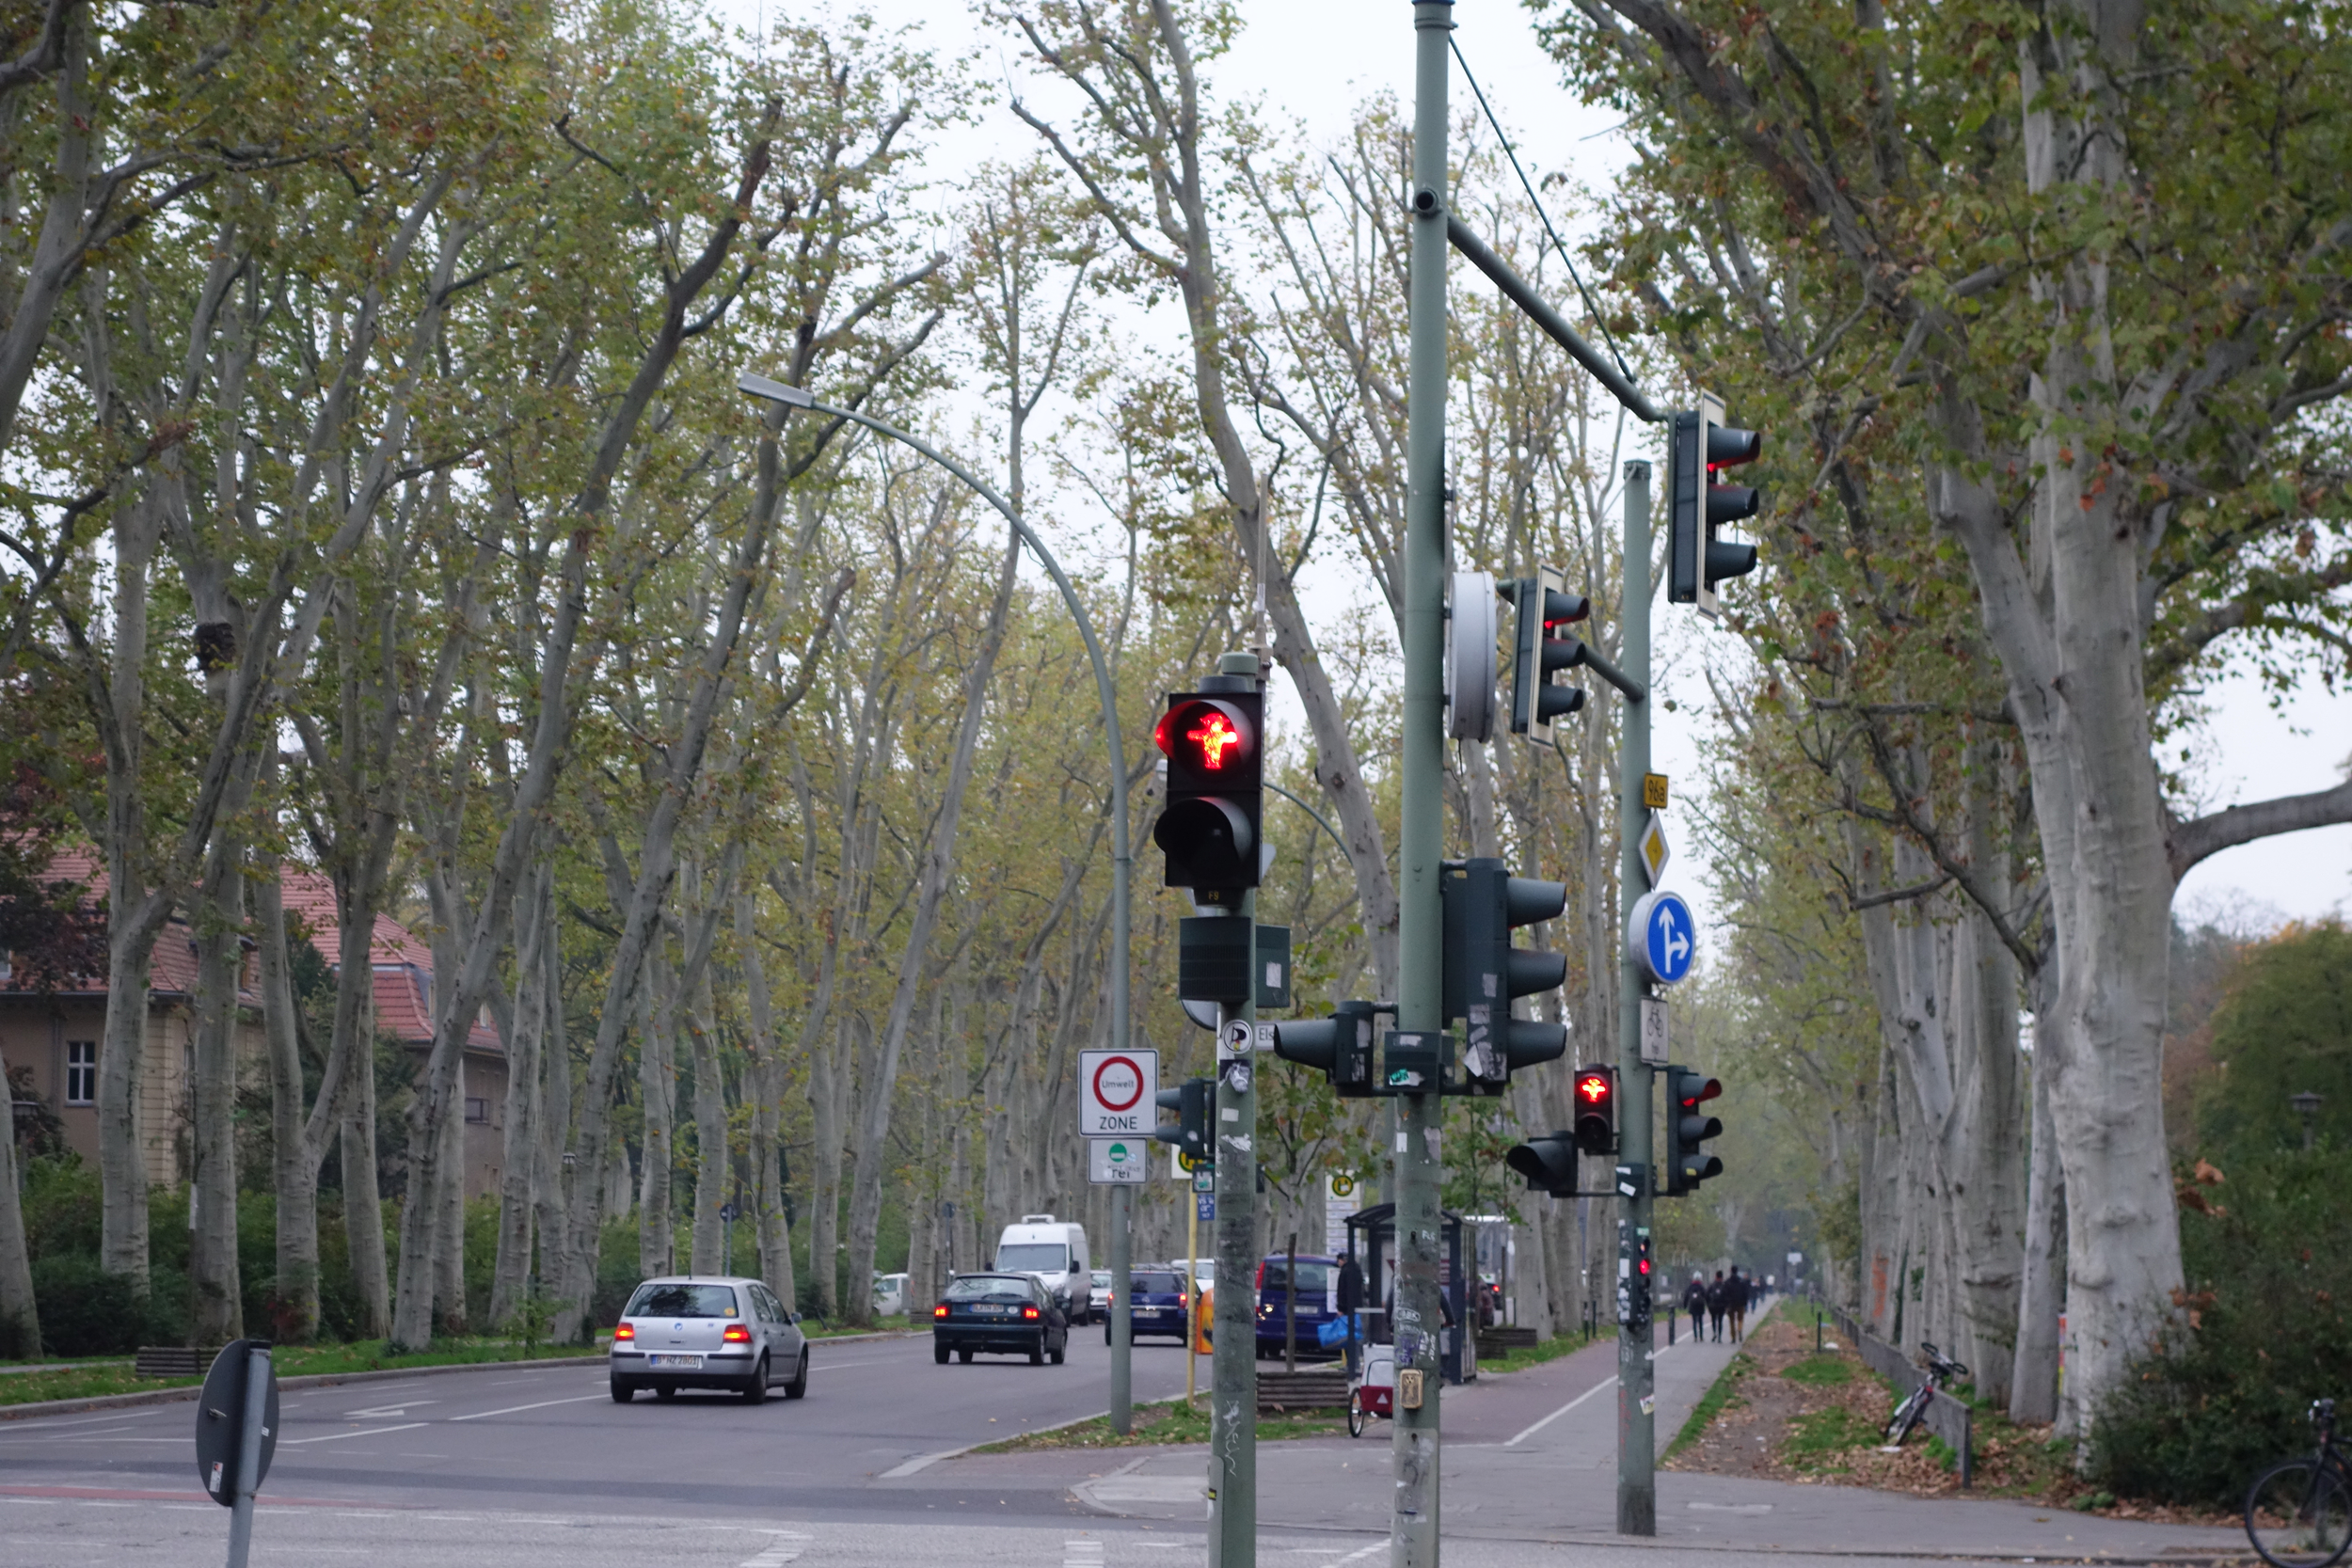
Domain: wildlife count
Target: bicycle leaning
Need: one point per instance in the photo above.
(2299, 1513)
(1942, 1372)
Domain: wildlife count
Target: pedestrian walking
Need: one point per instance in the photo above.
(1736, 1303)
(1351, 1301)
(1718, 1302)
(1694, 1302)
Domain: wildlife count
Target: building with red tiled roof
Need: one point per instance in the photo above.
(57, 1034)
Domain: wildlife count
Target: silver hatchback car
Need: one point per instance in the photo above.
(695, 1331)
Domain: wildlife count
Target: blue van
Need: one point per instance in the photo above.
(1318, 1302)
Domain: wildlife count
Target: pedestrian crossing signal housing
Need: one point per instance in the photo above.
(1689, 1126)
(1595, 1097)
(1215, 745)
(1190, 1101)
(1340, 1047)
(1698, 508)
(1541, 656)
(1483, 973)
(1549, 1164)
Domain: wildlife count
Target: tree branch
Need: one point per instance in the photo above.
(2193, 841)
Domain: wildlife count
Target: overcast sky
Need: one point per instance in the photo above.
(1312, 62)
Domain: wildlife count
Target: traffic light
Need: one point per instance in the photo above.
(1696, 560)
(1483, 972)
(1687, 1127)
(1549, 1164)
(1537, 697)
(1340, 1047)
(1190, 1101)
(1597, 1110)
(1215, 761)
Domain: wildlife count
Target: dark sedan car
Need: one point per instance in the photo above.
(1004, 1314)
(1157, 1301)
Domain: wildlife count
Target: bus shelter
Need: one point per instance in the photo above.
(1371, 1237)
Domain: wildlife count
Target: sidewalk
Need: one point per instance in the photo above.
(1532, 1455)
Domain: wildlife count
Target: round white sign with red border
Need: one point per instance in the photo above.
(1115, 1090)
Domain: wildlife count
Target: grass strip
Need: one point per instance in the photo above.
(292, 1360)
(1521, 1357)
(1165, 1422)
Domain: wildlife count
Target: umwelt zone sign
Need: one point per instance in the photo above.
(1115, 1090)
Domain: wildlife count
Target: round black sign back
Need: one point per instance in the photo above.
(220, 1422)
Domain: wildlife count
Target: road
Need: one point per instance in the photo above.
(495, 1468)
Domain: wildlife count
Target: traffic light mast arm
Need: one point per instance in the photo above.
(1516, 289)
(1635, 692)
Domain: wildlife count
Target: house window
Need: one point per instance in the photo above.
(81, 1072)
(477, 1108)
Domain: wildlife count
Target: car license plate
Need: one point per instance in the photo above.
(992, 1311)
(676, 1363)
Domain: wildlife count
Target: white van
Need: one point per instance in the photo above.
(1053, 1251)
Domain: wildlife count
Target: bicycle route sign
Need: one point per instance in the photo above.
(1115, 1090)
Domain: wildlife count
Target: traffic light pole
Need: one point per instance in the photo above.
(1637, 1421)
(1420, 841)
(1234, 1365)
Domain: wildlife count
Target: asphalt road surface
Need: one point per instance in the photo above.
(388, 1466)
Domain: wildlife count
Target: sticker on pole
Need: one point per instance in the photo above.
(1116, 1162)
(1236, 1040)
(1661, 936)
(1115, 1090)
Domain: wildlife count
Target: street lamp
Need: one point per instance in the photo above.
(2307, 1106)
(772, 390)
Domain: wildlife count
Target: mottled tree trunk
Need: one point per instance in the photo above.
(525, 1031)
(295, 1165)
(217, 1306)
(657, 1086)
(2034, 1376)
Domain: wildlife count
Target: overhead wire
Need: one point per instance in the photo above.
(1536, 201)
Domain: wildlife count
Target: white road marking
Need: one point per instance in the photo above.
(93, 1420)
(1561, 1411)
(787, 1546)
(384, 1412)
(1084, 1552)
(338, 1436)
(1362, 1552)
(484, 1415)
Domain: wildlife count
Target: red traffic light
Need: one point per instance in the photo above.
(1597, 1110)
(1697, 1089)
(1214, 736)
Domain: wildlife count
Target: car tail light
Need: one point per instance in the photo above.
(940, 1311)
(625, 1333)
(1029, 1312)
(1261, 1280)
(737, 1334)
(1182, 1300)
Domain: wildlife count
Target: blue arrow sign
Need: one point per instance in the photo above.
(1663, 936)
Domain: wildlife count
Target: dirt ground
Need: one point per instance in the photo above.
(1794, 1415)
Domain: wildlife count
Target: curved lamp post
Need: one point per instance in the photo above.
(1121, 858)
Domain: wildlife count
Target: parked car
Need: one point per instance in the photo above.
(1055, 1251)
(1318, 1282)
(1156, 1302)
(694, 1331)
(1004, 1314)
(890, 1296)
(1099, 1299)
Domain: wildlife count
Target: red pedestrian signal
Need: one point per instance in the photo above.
(1597, 1110)
(1212, 740)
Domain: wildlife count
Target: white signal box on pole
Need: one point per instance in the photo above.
(1115, 1093)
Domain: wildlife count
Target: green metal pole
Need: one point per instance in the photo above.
(1421, 843)
(1637, 1405)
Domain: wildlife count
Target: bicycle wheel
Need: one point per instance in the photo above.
(2299, 1515)
(1355, 1412)
(1906, 1417)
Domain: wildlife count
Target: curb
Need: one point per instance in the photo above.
(314, 1379)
